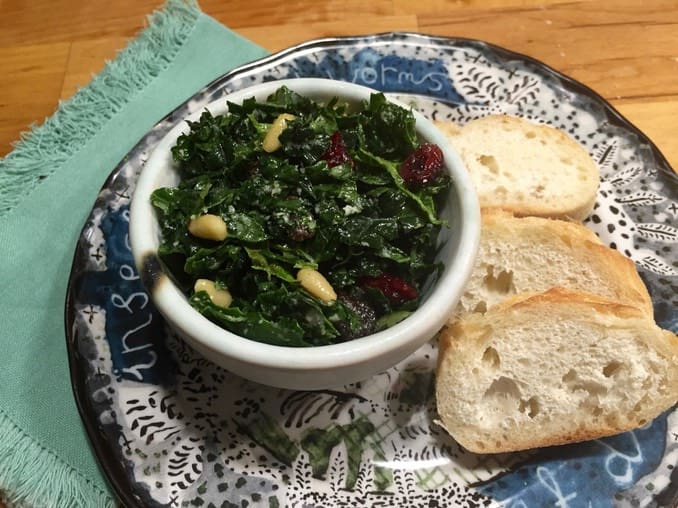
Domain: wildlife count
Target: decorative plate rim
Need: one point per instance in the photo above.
(114, 472)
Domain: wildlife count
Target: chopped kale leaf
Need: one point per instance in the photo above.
(330, 197)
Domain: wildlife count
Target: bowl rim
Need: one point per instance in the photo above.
(419, 327)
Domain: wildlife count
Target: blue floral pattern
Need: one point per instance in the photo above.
(172, 429)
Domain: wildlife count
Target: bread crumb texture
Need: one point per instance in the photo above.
(531, 254)
(553, 368)
(528, 168)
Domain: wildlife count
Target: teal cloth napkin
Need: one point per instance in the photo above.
(48, 185)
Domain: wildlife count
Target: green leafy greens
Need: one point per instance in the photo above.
(330, 198)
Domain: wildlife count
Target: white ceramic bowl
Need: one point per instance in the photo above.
(318, 367)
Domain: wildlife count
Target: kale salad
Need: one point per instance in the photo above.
(300, 223)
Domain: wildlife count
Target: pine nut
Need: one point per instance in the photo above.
(209, 227)
(271, 141)
(220, 297)
(315, 283)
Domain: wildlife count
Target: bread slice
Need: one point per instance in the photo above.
(531, 254)
(553, 368)
(526, 168)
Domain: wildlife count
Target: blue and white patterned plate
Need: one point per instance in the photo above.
(171, 429)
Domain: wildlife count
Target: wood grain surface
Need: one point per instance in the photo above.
(626, 50)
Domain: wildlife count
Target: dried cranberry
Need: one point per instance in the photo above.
(422, 165)
(394, 288)
(336, 153)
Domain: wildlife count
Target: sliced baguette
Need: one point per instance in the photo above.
(532, 254)
(552, 368)
(526, 168)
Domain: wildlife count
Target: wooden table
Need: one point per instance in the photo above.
(626, 50)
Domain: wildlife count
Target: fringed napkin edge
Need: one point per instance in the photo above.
(31, 474)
